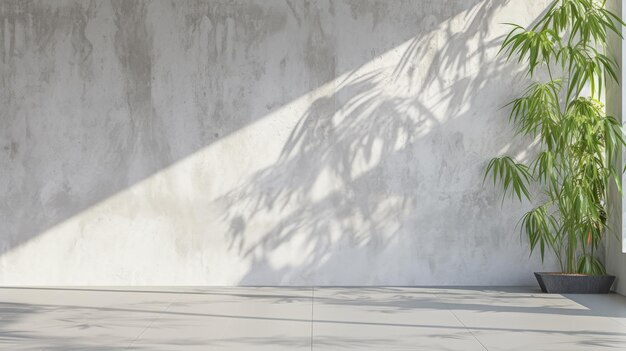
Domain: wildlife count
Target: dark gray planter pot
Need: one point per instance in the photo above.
(563, 283)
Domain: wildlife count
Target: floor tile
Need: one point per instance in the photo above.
(69, 319)
(385, 318)
(505, 320)
(233, 319)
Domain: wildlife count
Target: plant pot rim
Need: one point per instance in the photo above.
(563, 274)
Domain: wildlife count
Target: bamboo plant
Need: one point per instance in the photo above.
(578, 142)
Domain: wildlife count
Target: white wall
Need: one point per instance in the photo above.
(257, 142)
(616, 244)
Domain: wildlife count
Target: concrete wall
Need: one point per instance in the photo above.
(257, 142)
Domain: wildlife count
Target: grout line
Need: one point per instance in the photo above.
(312, 302)
(468, 329)
(149, 325)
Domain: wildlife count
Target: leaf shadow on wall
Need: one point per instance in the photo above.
(385, 171)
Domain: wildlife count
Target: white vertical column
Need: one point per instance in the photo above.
(615, 241)
(622, 58)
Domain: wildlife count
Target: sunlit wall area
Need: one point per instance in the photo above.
(258, 143)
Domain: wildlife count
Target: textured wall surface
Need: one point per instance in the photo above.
(257, 142)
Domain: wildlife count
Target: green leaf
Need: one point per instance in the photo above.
(513, 176)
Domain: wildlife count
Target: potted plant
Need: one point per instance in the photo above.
(578, 142)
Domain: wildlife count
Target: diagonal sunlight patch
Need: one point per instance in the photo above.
(380, 167)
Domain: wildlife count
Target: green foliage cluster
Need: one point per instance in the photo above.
(579, 143)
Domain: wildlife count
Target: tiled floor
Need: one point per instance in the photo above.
(308, 318)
